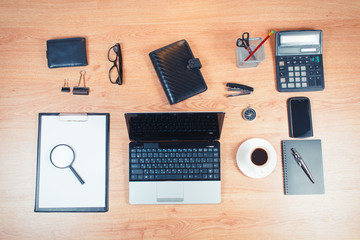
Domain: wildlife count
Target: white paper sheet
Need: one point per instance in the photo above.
(59, 188)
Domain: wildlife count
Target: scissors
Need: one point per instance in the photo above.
(244, 42)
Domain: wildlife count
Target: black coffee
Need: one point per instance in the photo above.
(259, 156)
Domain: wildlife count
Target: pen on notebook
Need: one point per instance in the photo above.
(253, 52)
(302, 164)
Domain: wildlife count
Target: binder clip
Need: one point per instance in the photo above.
(242, 89)
(194, 64)
(66, 87)
(81, 90)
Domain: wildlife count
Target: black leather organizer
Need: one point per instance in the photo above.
(67, 52)
(178, 71)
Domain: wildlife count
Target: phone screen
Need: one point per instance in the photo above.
(300, 117)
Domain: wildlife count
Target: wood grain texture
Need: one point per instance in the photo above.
(250, 209)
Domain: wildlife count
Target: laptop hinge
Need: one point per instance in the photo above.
(137, 142)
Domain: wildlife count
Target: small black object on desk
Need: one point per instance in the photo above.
(242, 89)
(66, 87)
(81, 90)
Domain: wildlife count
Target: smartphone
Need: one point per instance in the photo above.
(299, 116)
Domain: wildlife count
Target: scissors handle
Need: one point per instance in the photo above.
(244, 41)
(245, 36)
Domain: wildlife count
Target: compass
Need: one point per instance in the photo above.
(249, 114)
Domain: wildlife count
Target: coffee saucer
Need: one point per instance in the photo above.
(246, 166)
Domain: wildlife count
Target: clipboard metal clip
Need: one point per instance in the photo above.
(73, 117)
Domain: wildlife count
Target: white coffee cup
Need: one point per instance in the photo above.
(256, 158)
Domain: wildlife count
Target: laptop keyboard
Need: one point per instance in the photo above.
(175, 164)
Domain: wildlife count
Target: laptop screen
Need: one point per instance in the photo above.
(174, 126)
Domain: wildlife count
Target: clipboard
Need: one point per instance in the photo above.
(84, 139)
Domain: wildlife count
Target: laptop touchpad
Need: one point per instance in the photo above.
(170, 192)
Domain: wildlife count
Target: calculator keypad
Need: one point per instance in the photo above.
(300, 73)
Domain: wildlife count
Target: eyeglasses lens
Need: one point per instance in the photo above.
(113, 54)
(114, 74)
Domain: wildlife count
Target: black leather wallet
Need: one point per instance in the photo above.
(178, 71)
(68, 52)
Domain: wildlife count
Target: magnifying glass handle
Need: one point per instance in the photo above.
(77, 175)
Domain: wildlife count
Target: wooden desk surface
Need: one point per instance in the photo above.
(250, 209)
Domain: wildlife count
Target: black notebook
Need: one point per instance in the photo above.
(178, 71)
(296, 181)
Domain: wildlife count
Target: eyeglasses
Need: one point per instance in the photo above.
(115, 72)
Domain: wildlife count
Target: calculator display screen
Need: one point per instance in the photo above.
(300, 39)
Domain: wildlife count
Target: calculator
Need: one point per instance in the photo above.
(299, 61)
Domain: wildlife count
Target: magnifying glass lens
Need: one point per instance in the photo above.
(62, 156)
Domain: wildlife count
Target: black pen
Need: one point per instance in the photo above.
(302, 164)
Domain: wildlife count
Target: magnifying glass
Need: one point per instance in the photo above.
(63, 156)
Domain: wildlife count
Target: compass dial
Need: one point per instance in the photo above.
(249, 114)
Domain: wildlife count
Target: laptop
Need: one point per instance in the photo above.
(174, 157)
